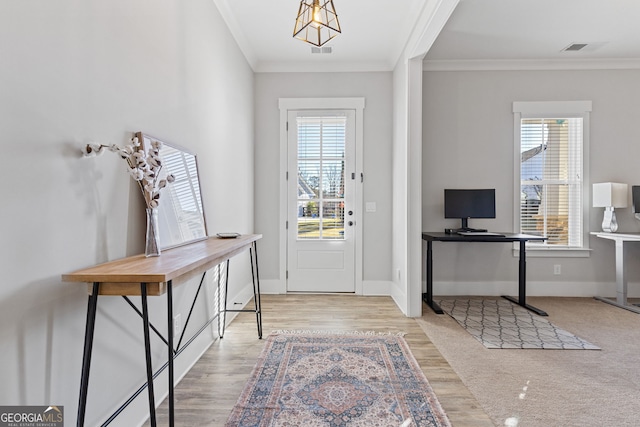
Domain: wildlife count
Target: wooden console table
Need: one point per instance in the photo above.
(154, 276)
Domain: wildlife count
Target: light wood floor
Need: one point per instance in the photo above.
(206, 395)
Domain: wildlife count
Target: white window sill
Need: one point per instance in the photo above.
(533, 252)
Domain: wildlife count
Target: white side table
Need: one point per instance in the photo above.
(621, 275)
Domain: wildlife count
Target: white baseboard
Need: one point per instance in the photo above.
(382, 287)
(369, 287)
(399, 296)
(376, 287)
(534, 288)
(273, 286)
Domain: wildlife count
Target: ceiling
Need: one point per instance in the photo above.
(480, 34)
(373, 34)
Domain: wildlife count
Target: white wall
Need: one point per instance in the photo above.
(81, 70)
(376, 88)
(468, 142)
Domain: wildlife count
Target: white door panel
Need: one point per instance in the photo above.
(324, 260)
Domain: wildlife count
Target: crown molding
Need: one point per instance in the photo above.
(322, 67)
(531, 64)
(236, 32)
(428, 26)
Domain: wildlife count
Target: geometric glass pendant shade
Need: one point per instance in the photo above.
(316, 23)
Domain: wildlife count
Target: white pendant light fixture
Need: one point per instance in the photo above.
(317, 22)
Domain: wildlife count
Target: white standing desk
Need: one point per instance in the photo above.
(621, 274)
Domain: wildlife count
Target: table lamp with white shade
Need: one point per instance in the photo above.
(609, 195)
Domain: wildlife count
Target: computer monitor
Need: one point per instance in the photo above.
(469, 203)
(635, 196)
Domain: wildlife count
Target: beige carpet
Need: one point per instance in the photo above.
(533, 388)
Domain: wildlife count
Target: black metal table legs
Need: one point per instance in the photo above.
(144, 314)
(222, 302)
(255, 278)
(147, 353)
(170, 351)
(522, 284)
(86, 355)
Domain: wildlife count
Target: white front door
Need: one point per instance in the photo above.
(321, 201)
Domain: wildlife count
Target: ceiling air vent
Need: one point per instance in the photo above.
(323, 49)
(574, 47)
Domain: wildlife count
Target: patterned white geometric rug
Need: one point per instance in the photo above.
(498, 323)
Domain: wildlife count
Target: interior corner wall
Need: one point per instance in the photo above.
(406, 288)
(76, 71)
(399, 260)
(376, 88)
(468, 143)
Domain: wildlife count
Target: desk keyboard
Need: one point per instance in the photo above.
(479, 233)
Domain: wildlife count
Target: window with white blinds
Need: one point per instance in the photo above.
(321, 177)
(550, 173)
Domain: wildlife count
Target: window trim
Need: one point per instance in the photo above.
(538, 109)
(347, 117)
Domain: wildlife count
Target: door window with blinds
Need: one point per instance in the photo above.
(321, 177)
(550, 172)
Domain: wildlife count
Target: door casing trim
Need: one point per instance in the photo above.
(287, 104)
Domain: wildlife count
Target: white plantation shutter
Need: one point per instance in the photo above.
(321, 176)
(550, 173)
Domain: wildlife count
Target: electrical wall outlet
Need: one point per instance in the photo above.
(557, 269)
(177, 324)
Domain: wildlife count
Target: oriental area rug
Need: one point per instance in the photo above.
(498, 323)
(306, 378)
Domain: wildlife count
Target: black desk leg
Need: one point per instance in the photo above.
(522, 275)
(428, 297)
(522, 283)
(255, 277)
(147, 351)
(170, 353)
(86, 355)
